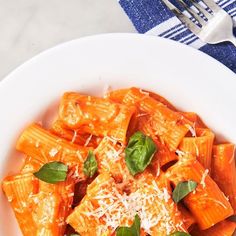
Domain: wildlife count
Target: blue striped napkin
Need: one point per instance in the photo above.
(152, 17)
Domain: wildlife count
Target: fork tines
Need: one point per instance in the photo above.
(205, 19)
(200, 12)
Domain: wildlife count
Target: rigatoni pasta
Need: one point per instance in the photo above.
(40, 208)
(207, 202)
(19, 190)
(44, 146)
(74, 136)
(200, 146)
(224, 171)
(120, 208)
(188, 218)
(97, 116)
(224, 228)
(168, 125)
(128, 163)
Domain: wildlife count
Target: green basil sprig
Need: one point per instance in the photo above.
(52, 172)
(133, 230)
(177, 233)
(139, 152)
(90, 165)
(183, 189)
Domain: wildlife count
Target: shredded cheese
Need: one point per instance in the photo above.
(80, 156)
(142, 114)
(166, 195)
(71, 194)
(143, 92)
(149, 201)
(114, 141)
(192, 129)
(107, 88)
(158, 169)
(217, 202)
(88, 140)
(231, 159)
(202, 182)
(74, 136)
(180, 153)
(196, 148)
(37, 144)
(53, 152)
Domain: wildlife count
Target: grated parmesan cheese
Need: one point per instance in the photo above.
(202, 182)
(24, 204)
(192, 129)
(142, 114)
(18, 210)
(158, 169)
(217, 202)
(113, 154)
(107, 88)
(231, 159)
(147, 201)
(71, 194)
(88, 140)
(166, 194)
(74, 136)
(79, 156)
(53, 152)
(180, 153)
(196, 148)
(114, 141)
(143, 92)
(37, 144)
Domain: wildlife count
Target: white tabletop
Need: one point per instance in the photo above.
(30, 26)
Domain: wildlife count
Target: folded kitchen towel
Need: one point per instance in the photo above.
(152, 17)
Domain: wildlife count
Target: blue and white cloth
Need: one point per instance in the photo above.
(152, 17)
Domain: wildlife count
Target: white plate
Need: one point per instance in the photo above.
(188, 78)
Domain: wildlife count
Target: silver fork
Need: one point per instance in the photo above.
(211, 27)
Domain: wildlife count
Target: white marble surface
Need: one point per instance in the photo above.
(30, 26)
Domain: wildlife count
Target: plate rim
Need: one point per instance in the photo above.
(10, 75)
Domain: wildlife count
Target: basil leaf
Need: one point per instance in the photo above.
(139, 152)
(90, 165)
(124, 231)
(177, 233)
(183, 189)
(52, 172)
(74, 234)
(133, 230)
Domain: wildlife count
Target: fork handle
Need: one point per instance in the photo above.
(233, 40)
